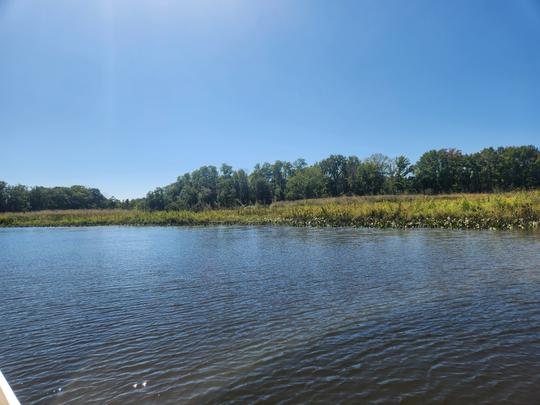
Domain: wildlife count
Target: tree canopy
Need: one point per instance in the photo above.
(435, 172)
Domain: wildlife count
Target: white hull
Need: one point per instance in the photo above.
(7, 397)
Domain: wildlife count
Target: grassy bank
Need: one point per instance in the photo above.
(464, 211)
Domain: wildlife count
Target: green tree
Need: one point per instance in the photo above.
(155, 200)
(441, 171)
(280, 172)
(241, 185)
(260, 185)
(18, 198)
(519, 167)
(188, 198)
(374, 170)
(334, 170)
(227, 196)
(3, 196)
(39, 198)
(305, 183)
(399, 169)
(204, 181)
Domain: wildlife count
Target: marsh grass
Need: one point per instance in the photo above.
(519, 210)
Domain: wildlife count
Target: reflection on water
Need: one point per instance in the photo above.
(168, 315)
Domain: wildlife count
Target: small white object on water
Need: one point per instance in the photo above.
(144, 383)
(60, 389)
(135, 385)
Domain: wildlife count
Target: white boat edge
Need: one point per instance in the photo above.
(7, 396)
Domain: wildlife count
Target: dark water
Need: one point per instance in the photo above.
(269, 314)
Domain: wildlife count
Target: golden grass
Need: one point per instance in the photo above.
(519, 210)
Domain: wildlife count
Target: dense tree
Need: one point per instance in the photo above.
(227, 196)
(502, 169)
(4, 195)
(22, 198)
(18, 198)
(437, 171)
(374, 171)
(398, 180)
(305, 183)
(520, 167)
(334, 171)
(204, 181)
(188, 198)
(441, 171)
(155, 200)
(241, 186)
(260, 184)
(483, 171)
(280, 173)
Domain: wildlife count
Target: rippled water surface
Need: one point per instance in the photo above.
(225, 314)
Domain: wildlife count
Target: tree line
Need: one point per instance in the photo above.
(22, 198)
(436, 172)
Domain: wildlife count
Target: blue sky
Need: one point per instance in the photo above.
(125, 95)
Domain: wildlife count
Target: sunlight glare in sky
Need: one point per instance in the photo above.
(150, 89)
(190, 13)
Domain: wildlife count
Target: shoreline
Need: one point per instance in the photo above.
(443, 225)
(520, 210)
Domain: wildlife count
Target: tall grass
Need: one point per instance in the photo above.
(520, 210)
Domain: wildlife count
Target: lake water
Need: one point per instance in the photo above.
(275, 314)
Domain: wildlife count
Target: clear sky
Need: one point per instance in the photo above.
(126, 95)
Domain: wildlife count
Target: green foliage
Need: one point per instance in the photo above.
(21, 198)
(436, 172)
(305, 183)
(4, 196)
(440, 171)
(241, 187)
(260, 184)
(501, 169)
(334, 171)
(519, 210)
(398, 180)
(226, 187)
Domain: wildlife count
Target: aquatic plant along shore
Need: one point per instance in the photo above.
(519, 210)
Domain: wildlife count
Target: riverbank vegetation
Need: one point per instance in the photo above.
(207, 188)
(519, 210)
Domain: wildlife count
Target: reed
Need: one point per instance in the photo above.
(518, 210)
